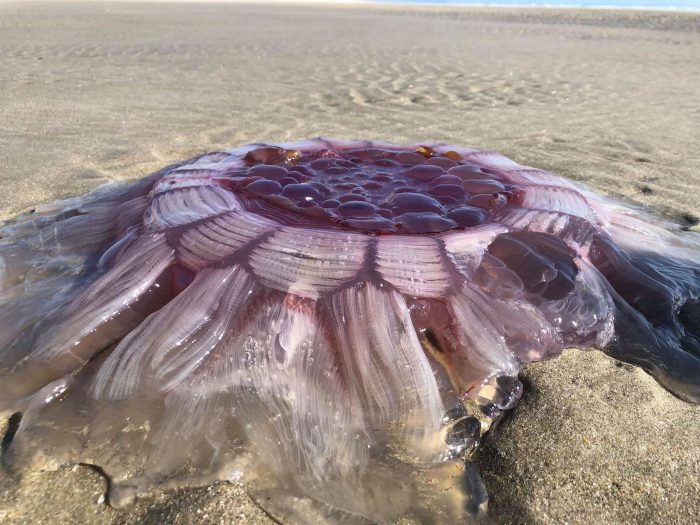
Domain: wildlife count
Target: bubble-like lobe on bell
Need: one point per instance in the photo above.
(375, 189)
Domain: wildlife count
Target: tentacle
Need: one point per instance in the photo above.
(294, 400)
(586, 316)
(101, 199)
(47, 259)
(657, 300)
(101, 314)
(490, 337)
(171, 343)
(386, 366)
(497, 320)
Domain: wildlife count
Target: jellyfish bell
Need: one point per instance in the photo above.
(336, 323)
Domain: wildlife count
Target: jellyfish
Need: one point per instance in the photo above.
(335, 323)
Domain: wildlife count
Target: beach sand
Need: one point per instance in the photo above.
(97, 92)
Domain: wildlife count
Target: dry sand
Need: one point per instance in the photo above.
(97, 92)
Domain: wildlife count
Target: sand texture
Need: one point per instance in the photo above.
(96, 92)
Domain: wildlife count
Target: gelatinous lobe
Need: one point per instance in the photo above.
(335, 322)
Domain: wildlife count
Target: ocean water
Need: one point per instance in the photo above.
(628, 4)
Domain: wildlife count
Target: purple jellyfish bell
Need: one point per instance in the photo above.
(336, 323)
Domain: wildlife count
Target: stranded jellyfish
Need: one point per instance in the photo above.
(336, 323)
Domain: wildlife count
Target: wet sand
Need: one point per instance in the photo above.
(98, 91)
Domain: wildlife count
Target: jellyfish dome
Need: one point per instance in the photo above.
(336, 323)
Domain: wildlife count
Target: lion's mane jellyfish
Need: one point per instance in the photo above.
(334, 322)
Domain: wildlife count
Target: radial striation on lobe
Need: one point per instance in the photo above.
(334, 322)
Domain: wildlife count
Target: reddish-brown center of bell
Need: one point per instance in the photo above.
(372, 189)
